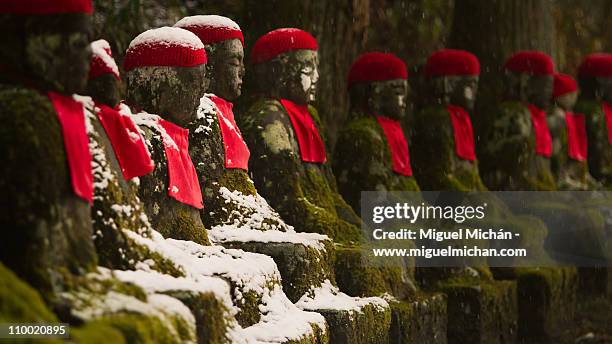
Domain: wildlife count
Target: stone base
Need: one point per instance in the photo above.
(421, 319)
(481, 312)
(595, 281)
(301, 267)
(546, 303)
(369, 325)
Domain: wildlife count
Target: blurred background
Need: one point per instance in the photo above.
(412, 29)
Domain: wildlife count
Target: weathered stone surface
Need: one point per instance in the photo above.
(435, 163)
(42, 218)
(369, 325)
(599, 150)
(510, 162)
(419, 319)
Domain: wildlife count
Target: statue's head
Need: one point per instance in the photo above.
(565, 91)
(104, 81)
(224, 44)
(47, 43)
(595, 77)
(166, 73)
(453, 77)
(529, 77)
(286, 65)
(378, 85)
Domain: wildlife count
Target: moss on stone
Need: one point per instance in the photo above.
(182, 226)
(369, 325)
(96, 332)
(546, 302)
(509, 158)
(141, 329)
(599, 150)
(42, 218)
(435, 163)
(248, 304)
(421, 319)
(303, 193)
(362, 162)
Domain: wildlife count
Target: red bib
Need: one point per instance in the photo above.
(236, 151)
(311, 145)
(71, 116)
(400, 157)
(183, 179)
(462, 132)
(576, 136)
(128, 145)
(607, 110)
(543, 140)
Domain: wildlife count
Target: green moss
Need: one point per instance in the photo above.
(181, 225)
(422, 319)
(96, 332)
(547, 302)
(362, 161)
(319, 336)
(56, 233)
(141, 329)
(210, 315)
(435, 163)
(249, 313)
(19, 302)
(369, 325)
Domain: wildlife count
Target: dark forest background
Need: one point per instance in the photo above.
(412, 29)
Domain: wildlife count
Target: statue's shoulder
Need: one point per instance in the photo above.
(511, 108)
(21, 100)
(362, 127)
(587, 107)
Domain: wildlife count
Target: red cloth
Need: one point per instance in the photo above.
(150, 50)
(598, 64)
(607, 110)
(128, 145)
(236, 151)
(400, 157)
(576, 136)
(542, 134)
(462, 132)
(377, 67)
(563, 84)
(452, 62)
(211, 28)
(532, 62)
(281, 41)
(183, 180)
(312, 148)
(71, 116)
(45, 7)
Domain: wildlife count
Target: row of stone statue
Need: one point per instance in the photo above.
(172, 157)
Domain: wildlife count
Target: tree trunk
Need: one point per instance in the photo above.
(495, 29)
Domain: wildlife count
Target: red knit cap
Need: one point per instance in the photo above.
(599, 64)
(45, 7)
(376, 67)
(102, 61)
(532, 62)
(281, 41)
(563, 84)
(166, 46)
(452, 62)
(211, 28)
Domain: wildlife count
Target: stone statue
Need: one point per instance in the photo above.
(104, 81)
(518, 146)
(444, 152)
(372, 149)
(284, 133)
(46, 177)
(166, 75)
(595, 103)
(569, 140)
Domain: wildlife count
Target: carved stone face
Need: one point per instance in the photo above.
(53, 51)
(226, 68)
(567, 101)
(460, 90)
(293, 76)
(605, 86)
(539, 90)
(388, 98)
(105, 89)
(172, 92)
